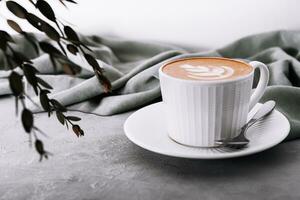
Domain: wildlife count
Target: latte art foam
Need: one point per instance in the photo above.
(207, 72)
(207, 69)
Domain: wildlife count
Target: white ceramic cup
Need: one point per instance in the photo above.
(200, 112)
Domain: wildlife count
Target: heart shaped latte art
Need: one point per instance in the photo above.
(207, 72)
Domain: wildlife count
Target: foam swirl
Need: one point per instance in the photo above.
(207, 72)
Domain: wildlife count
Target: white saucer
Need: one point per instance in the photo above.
(146, 128)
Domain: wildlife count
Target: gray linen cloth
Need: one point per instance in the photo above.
(132, 67)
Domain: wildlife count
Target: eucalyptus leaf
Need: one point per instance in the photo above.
(14, 25)
(73, 118)
(39, 147)
(92, 61)
(15, 82)
(16, 9)
(32, 80)
(104, 82)
(58, 105)
(44, 100)
(50, 32)
(77, 130)
(27, 120)
(72, 49)
(5, 36)
(46, 10)
(60, 117)
(35, 21)
(71, 35)
(50, 49)
(30, 74)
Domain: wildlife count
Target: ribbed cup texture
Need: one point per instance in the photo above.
(198, 114)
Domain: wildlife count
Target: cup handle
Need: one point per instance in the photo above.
(262, 83)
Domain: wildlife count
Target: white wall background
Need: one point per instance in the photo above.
(203, 23)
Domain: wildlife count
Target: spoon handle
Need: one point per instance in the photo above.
(263, 111)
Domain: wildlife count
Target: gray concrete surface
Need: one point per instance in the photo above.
(105, 165)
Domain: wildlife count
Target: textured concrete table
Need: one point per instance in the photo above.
(105, 165)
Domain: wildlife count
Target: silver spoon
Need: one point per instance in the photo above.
(240, 140)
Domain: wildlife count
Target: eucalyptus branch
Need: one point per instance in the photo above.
(67, 40)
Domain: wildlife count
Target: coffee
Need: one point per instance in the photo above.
(207, 69)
